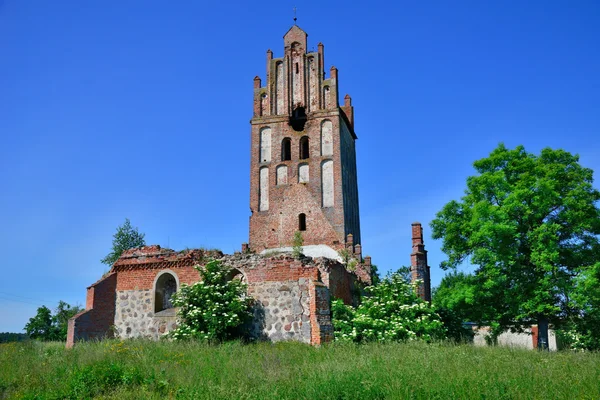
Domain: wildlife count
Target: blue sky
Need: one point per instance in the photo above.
(139, 109)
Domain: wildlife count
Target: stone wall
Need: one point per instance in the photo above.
(135, 316)
(282, 310)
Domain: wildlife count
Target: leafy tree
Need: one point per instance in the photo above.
(61, 317)
(582, 329)
(530, 224)
(46, 326)
(40, 326)
(390, 311)
(125, 238)
(213, 309)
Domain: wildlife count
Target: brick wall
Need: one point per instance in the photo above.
(96, 321)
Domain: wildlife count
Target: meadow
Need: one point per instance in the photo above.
(189, 370)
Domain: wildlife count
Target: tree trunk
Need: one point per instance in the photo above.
(542, 341)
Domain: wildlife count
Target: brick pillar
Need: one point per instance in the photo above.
(418, 263)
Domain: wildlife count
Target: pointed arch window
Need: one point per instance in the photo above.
(286, 149)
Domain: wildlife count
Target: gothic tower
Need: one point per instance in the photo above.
(303, 161)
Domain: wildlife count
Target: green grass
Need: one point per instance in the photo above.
(140, 369)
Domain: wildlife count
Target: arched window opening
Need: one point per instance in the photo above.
(286, 149)
(302, 222)
(304, 148)
(236, 275)
(165, 287)
(298, 119)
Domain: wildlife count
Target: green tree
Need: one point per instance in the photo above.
(530, 224)
(47, 326)
(61, 317)
(213, 309)
(582, 329)
(125, 238)
(41, 327)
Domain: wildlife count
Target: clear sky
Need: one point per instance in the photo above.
(139, 109)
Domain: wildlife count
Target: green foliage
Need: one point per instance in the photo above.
(213, 309)
(375, 278)
(297, 244)
(47, 327)
(582, 329)
(9, 337)
(530, 224)
(125, 238)
(390, 311)
(136, 369)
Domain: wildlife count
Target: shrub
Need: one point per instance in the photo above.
(390, 311)
(213, 309)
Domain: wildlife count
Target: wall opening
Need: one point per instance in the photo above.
(286, 149)
(165, 287)
(302, 222)
(304, 148)
(236, 275)
(298, 119)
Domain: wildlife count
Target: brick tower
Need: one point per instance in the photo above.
(418, 263)
(303, 161)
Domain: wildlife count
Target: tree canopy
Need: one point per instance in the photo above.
(47, 326)
(530, 224)
(125, 238)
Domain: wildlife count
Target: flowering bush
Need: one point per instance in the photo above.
(390, 311)
(214, 309)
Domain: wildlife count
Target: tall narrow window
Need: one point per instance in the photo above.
(286, 149)
(304, 148)
(302, 222)
(297, 70)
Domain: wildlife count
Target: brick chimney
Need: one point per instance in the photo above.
(418, 263)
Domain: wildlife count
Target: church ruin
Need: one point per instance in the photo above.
(303, 179)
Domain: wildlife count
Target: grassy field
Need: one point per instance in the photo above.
(140, 369)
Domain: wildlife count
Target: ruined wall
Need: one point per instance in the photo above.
(97, 320)
(282, 310)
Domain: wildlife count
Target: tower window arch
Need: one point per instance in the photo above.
(286, 149)
(304, 148)
(164, 287)
(302, 222)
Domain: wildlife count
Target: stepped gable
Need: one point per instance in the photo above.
(155, 257)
